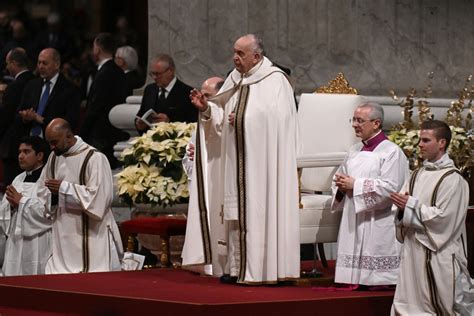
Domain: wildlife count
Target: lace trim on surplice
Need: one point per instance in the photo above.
(370, 197)
(381, 263)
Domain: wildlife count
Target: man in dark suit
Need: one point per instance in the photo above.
(168, 96)
(17, 66)
(47, 97)
(108, 89)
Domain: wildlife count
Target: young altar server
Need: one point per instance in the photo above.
(27, 230)
(432, 209)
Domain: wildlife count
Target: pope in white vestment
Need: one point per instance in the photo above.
(85, 235)
(255, 186)
(433, 273)
(368, 252)
(28, 246)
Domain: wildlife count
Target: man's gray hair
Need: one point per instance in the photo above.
(376, 111)
(257, 43)
(164, 58)
(129, 55)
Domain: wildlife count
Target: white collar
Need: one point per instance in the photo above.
(171, 84)
(441, 163)
(52, 80)
(29, 173)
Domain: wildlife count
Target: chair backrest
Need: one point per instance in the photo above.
(325, 127)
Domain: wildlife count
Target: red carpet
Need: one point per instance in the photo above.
(174, 292)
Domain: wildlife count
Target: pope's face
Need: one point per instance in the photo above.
(430, 148)
(244, 57)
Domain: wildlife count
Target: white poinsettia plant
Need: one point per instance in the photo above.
(153, 172)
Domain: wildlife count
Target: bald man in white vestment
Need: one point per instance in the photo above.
(254, 115)
(85, 235)
(210, 166)
(432, 210)
(368, 253)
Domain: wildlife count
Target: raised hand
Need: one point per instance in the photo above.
(198, 100)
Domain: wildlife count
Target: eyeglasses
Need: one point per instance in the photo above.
(156, 73)
(359, 121)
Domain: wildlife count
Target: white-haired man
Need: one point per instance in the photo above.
(255, 118)
(368, 253)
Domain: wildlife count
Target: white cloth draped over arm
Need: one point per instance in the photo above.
(374, 193)
(95, 197)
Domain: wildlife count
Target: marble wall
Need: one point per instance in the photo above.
(378, 45)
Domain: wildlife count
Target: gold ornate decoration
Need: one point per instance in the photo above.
(338, 85)
(454, 114)
(407, 111)
(461, 149)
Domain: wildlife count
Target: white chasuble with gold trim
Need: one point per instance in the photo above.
(255, 185)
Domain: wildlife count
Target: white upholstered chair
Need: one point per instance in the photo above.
(326, 134)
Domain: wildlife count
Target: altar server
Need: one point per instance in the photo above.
(254, 118)
(368, 252)
(22, 220)
(432, 209)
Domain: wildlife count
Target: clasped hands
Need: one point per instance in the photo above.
(13, 196)
(53, 185)
(30, 115)
(345, 183)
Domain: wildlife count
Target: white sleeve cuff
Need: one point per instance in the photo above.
(358, 188)
(64, 187)
(206, 115)
(410, 217)
(23, 200)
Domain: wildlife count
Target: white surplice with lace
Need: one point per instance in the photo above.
(368, 252)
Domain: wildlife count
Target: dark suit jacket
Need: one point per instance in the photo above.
(108, 89)
(134, 81)
(177, 105)
(64, 102)
(11, 100)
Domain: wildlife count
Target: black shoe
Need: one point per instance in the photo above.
(227, 279)
(150, 259)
